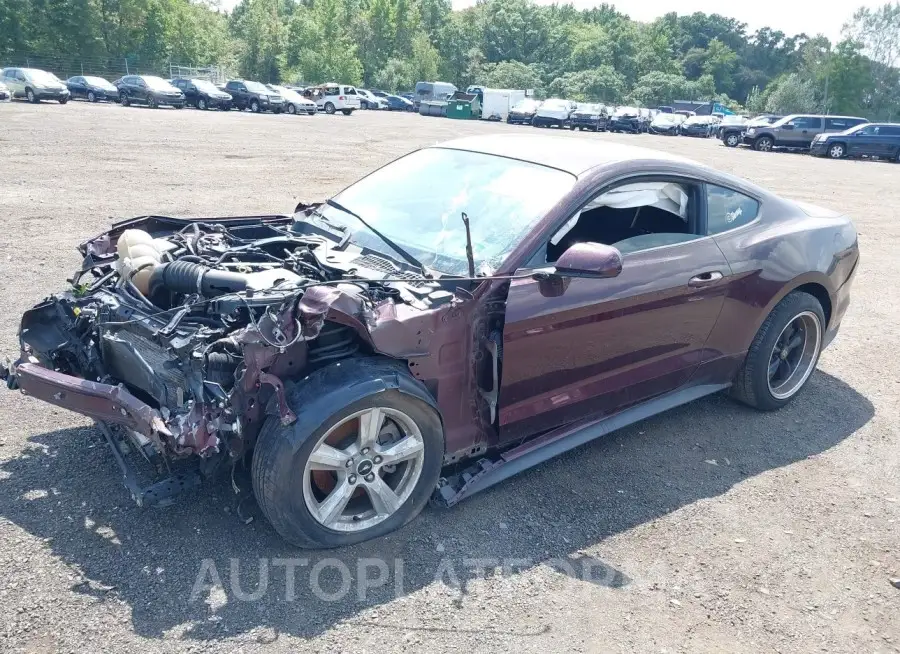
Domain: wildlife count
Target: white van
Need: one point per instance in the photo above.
(331, 98)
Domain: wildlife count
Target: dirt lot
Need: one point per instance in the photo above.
(712, 528)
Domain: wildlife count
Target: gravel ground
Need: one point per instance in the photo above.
(710, 528)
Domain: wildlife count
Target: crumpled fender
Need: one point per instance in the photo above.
(328, 390)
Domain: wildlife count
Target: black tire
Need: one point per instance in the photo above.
(751, 385)
(837, 151)
(291, 109)
(123, 99)
(152, 103)
(320, 401)
(732, 140)
(63, 100)
(91, 97)
(254, 106)
(201, 104)
(346, 112)
(31, 97)
(764, 144)
(329, 108)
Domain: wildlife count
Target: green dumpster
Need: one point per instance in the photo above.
(463, 106)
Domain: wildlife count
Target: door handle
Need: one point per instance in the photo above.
(705, 279)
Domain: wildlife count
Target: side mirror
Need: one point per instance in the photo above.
(585, 260)
(590, 260)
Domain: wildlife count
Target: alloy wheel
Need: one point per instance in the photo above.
(201, 104)
(795, 355)
(836, 151)
(91, 97)
(731, 140)
(363, 469)
(29, 95)
(764, 144)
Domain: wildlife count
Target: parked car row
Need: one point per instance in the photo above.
(36, 85)
(835, 137)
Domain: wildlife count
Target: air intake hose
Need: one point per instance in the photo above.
(188, 277)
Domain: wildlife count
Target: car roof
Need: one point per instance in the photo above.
(572, 155)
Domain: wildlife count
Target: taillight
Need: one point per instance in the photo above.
(340, 97)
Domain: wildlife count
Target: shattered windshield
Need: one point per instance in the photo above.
(418, 201)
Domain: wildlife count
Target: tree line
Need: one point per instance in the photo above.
(597, 54)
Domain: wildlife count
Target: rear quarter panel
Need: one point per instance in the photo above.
(790, 245)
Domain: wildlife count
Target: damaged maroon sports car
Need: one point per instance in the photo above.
(453, 318)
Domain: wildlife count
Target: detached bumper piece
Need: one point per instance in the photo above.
(129, 425)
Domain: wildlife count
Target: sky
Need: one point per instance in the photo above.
(791, 16)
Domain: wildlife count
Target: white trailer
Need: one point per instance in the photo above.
(496, 103)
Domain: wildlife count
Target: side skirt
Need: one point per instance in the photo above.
(484, 473)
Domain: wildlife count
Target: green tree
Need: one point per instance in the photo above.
(792, 94)
(601, 84)
(510, 75)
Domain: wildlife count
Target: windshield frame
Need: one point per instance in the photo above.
(257, 87)
(449, 261)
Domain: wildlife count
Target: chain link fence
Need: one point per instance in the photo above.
(111, 68)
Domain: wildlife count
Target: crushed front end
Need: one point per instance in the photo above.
(177, 336)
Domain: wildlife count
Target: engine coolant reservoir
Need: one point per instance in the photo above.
(137, 251)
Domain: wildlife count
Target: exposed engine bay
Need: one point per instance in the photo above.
(182, 333)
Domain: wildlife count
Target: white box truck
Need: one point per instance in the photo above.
(496, 103)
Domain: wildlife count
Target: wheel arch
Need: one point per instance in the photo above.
(323, 392)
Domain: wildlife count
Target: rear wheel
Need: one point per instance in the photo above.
(351, 467)
(783, 354)
(764, 144)
(346, 112)
(837, 151)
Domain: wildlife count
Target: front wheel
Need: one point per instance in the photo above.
(151, 102)
(783, 354)
(63, 100)
(837, 151)
(764, 144)
(346, 112)
(291, 109)
(732, 140)
(329, 108)
(31, 97)
(201, 104)
(91, 97)
(356, 464)
(254, 107)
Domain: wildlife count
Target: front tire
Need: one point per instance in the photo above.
(346, 112)
(783, 354)
(291, 109)
(123, 99)
(356, 464)
(63, 100)
(764, 144)
(732, 140)
(254, 107)
(329, 108)
(31, 97)
(91, 97)
(201, 104)
(837, 151)
(151, 102)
